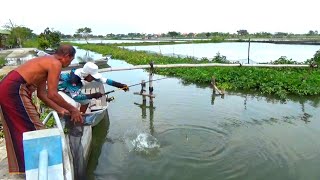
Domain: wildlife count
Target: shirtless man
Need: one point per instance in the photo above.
(17, 112)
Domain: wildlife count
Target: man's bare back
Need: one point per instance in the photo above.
(36, 70)
(42, 74)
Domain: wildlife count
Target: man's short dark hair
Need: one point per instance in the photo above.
(66, 49)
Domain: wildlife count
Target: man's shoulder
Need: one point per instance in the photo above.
(49, 58)
(49, 61)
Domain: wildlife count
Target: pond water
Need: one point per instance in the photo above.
(259, 52)
(189, 133)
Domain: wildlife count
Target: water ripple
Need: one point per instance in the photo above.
(194, 143)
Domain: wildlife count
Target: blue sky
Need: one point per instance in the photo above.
(161, 16)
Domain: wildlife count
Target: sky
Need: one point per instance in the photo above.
(162, 16)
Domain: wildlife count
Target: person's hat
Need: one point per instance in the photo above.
(89, 68)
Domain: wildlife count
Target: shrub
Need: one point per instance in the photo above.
(316, 58)
(220, 59)
(284, 60)
(2, 61)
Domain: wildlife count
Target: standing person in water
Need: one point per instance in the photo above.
(17, 111)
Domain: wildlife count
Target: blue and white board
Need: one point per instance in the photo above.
(47, 145)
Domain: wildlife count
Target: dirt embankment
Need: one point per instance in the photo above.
(6, 69)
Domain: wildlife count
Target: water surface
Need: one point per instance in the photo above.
(259, 52)
(189, 133)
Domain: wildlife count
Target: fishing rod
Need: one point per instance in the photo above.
(134, 85)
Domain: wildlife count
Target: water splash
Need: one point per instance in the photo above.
(142, 142)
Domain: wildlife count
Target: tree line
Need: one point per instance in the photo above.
(17, 36)
(50, 38)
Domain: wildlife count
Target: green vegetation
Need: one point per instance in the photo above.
(316, 58)
(2, 62)
(269, 81)
(18, 35)
(49, 39)
(21, 36)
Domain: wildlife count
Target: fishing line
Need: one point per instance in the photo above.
(134, 85)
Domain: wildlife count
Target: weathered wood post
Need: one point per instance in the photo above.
(214, 87)
(150, 81)
(143, 90)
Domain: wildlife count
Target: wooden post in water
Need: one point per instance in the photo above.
(143, 90)
(150, 82)
(143, 86)
(214, 87)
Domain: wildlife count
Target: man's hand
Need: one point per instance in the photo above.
(120, 86)
(62, 112)
(76, 116)
(125, 88)
(95, 95)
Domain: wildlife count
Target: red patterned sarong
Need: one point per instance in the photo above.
(18, 114)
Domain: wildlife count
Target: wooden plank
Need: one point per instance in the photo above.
(144, 94)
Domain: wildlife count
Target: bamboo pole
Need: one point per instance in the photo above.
(203, 65)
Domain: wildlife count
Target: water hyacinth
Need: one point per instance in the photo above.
(280, 82)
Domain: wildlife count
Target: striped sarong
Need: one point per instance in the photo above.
(18, 114)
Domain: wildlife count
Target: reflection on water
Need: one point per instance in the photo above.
(99, 134)
(196, 135)
(151, 109)
(84, 56)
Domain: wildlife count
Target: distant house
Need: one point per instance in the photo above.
(3, 35)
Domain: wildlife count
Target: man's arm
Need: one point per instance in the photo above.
(82, 96)
(53, 77)
(42, 94)
(114, 83)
